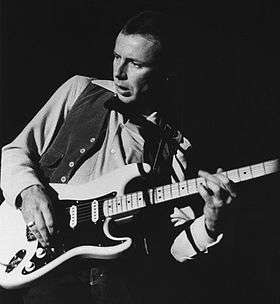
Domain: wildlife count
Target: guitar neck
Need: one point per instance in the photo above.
(189, 187)
(161, 194)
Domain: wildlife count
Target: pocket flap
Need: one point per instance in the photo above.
(51, 158)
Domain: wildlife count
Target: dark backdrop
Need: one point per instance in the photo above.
(227, 97)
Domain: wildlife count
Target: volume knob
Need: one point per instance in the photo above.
(40, 253)
(30, 266)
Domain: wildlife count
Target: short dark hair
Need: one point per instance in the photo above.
(152, 25)
(148, 23)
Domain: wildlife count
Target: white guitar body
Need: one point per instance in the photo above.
(29, 256)
(23, 260)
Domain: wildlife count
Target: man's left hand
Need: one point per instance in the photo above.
(218, 193)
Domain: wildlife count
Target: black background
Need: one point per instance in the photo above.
(227, 99)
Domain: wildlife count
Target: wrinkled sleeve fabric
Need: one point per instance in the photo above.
(193, 241)
(20, 158)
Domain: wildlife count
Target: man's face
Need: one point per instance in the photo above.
(134, 66)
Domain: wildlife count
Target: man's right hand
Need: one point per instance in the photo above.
(37, 207)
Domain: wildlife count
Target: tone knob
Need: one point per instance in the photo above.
(40, 253)
(30, 266)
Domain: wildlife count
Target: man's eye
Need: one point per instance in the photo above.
(116, 56)
(136, 64)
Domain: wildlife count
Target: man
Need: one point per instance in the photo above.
(90, 127)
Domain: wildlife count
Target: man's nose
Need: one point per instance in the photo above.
(120, 71)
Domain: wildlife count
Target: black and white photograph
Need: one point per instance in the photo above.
(139, 152)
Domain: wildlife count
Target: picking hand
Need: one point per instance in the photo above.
(37, 212)
(218, 194)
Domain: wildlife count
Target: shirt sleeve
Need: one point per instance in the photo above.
(20, 157)
(195, 240)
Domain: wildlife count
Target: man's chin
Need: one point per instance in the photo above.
(126, 99)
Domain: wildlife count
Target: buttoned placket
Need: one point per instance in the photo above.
(113, 146)
(71, 164)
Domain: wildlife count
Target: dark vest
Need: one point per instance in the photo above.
(82, 135)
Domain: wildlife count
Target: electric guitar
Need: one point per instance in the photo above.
(87, 212)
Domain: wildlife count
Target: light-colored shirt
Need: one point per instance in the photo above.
(122, 145)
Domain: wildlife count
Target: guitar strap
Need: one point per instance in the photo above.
(160, 139)
(166, 134)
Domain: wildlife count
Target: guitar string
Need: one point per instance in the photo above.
(100, 206)
(86, 209)
(86, 214)
(84, 205)
(81, 217)
(257, 171)
(87, 217)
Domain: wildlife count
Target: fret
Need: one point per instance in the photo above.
(134, 201)
(110, 207)
(119, 205)
(159, 195)
(258, 170)
(183, 188)
(245, 173)
(124, 204)
(175, 190)
(192, 186)
(105, 208)
(114, 203)
(271, 166)
(140, 198)
(167, 192)
(151, 196)
(233, 175)
(129, 202)
(200, 180)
